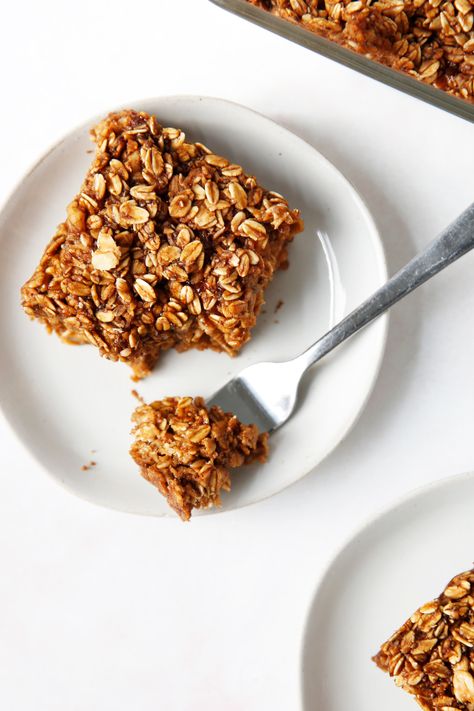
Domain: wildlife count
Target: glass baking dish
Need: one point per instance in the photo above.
(392, 77)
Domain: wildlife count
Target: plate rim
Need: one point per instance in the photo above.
(375, 240)
(371, 520)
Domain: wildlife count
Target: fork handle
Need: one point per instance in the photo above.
(453, 242)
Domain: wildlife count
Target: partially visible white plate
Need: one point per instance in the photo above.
(395, 564)
(69, 406)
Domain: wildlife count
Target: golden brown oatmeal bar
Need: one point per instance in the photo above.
(432, 655)
(167, 245)
(432, 40)
(186, 450)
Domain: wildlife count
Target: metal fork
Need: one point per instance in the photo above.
(266, 394)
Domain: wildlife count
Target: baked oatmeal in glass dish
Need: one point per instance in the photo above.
(430, 40)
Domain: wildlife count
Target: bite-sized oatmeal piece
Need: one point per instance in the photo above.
(167, 245)
(432, 655)
(432, 40)
(186, 450)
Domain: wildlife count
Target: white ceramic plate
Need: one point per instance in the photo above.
(396, 563)
(69, 406)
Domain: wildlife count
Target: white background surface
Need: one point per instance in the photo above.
(100, 610)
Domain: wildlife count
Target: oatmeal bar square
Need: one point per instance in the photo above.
(167, 245)
(432, 655)
(186, 450)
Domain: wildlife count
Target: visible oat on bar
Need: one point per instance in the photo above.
(186, 450)
(167, 245)
(432, 40)
(432, 655)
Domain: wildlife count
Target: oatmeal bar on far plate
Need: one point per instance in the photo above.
(167, 245)
(432, 655)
